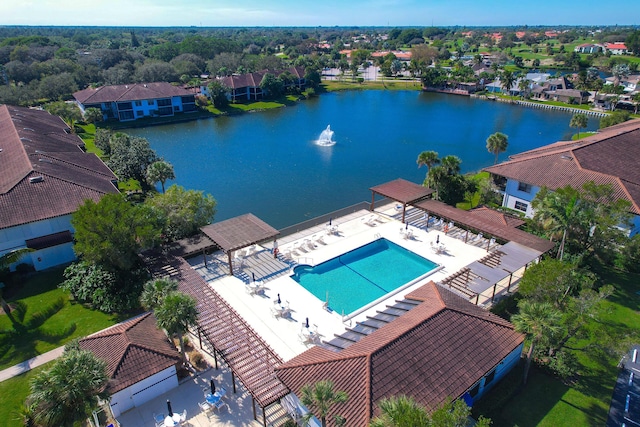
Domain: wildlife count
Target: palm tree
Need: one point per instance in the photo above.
(497, 143)
(524, 86)
(536, 320)
(451, 164)
(428, 159)
(155, 291)
(400, 411)
(558, 211)
(507, 78)
(160, 171)
(175, 314)
(69, 391)
(579, 121)
(320, 397)
(435, 177)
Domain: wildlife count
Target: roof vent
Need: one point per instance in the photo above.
(35, 179)
(25, 139)
(145, 85)
(45, 160)
(28, 129)
(565, 157)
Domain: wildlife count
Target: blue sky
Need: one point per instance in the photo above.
(317, 13)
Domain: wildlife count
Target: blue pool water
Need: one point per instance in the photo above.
(362, 275)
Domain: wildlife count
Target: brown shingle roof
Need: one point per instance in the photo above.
(134, 350)
(608, 157)
(34, 144)
(438, 349)
(129, 92)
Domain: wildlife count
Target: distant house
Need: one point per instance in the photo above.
(247, 86)
(437, 346)
(559, 89)
(45, 175)
(141, 362)
(134, 101)
(617, 48)
(608, 157)
(631, 83)
(589, 48)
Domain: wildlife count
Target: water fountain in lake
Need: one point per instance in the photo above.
(326, 137)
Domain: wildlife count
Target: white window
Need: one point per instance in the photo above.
(521, 206)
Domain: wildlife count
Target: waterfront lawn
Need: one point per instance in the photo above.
(13, 392)
(546, 401)
(44, 317)
(336, 85)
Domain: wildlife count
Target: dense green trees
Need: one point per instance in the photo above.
(182, 212)
(130, 156)
(68, 392)
(111, 232)
(585, 221)
(218, 94)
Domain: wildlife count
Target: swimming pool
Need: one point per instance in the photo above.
(361, 276)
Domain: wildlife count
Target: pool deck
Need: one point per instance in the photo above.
(284, 335)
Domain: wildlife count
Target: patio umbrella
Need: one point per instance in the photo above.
(306, 324)
(437, 239)
(253, 275)
(169, 408)
(279, 301)
(329, 221)
(213, 387)
(407, 227)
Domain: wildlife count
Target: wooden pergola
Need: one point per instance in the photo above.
(401, 191)
(239, 232)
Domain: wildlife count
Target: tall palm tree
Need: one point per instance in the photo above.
(558, 211)
(523, 87)
(428, 159)
(320, 397)
(435, 177)
(536, 320)
(497, 143)
(155, 291)
(579, 121)
(69, 391)
(451, 164)
(507, 79)
(175, 314)
(400, 411)
(160, 171)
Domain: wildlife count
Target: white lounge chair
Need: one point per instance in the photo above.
(183, 416)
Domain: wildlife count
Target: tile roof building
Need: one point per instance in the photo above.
(443, 347)
(137, 100)
(607, 157)
(247, 86)
(141, 362)
(45, 175)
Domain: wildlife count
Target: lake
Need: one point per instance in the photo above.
(268, 163)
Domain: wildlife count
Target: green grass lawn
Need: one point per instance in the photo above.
(45, 317)
(347, 84)
(547, 401)
(13, 392)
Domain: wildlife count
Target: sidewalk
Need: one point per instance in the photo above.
(27, 365)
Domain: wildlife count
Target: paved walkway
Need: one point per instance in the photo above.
(28, 365)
